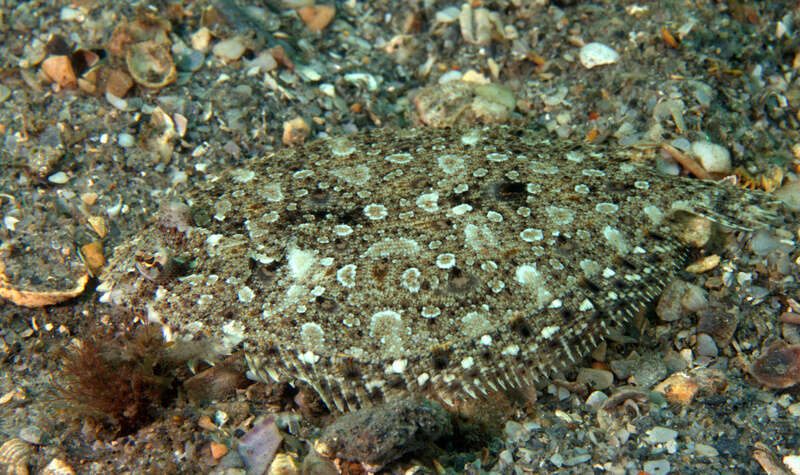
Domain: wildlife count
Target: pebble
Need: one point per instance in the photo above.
(316, 17)
(714, 158)
(694, 299)
(72, 14)
(790, 195)
(452, 75)
(59, 178)
(258, 447)
(669, 307)
(378, 435)
(218, 450)
(595, 400)
(660, 435)
(657, 467)
(31, 434)
(793, 463)
(597, 54)
(706, 346)
(117, 102)
(678, 388)
(577, 460)
(295, 131)
(189, 60)
(230, 49)
(704, 450)
(126, 140)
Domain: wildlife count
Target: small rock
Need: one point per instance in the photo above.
(704, 264)
(660, 435)
(230, 49)
(218, 450)
(648, 372)
(719, 324)
(595, 400)
(764, 242)
(704, 450)
(214, 383)
(59, 178)
(262, 63)
(59, 70)
(57, 467)
(126, 140)
(778, 367)
(200, 39)
(117, 102)
(597, 54)
(189, 60)
(460, 102)
(316, 17)
(378, 435)
(150, 64)
(118, 82)
(284, 464)
(295, 131)
(576, 460)
(714, 158)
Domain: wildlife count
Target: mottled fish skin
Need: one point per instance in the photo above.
(453, 262)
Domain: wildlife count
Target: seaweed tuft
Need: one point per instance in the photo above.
(125, 380)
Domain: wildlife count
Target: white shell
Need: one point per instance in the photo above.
(14, 455)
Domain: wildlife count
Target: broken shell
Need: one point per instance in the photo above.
(57, 467)
(14, 454)
(283, 464)
(159, 267)
(150, 63)
(477, 25)
(778, 367)
(59, 70)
